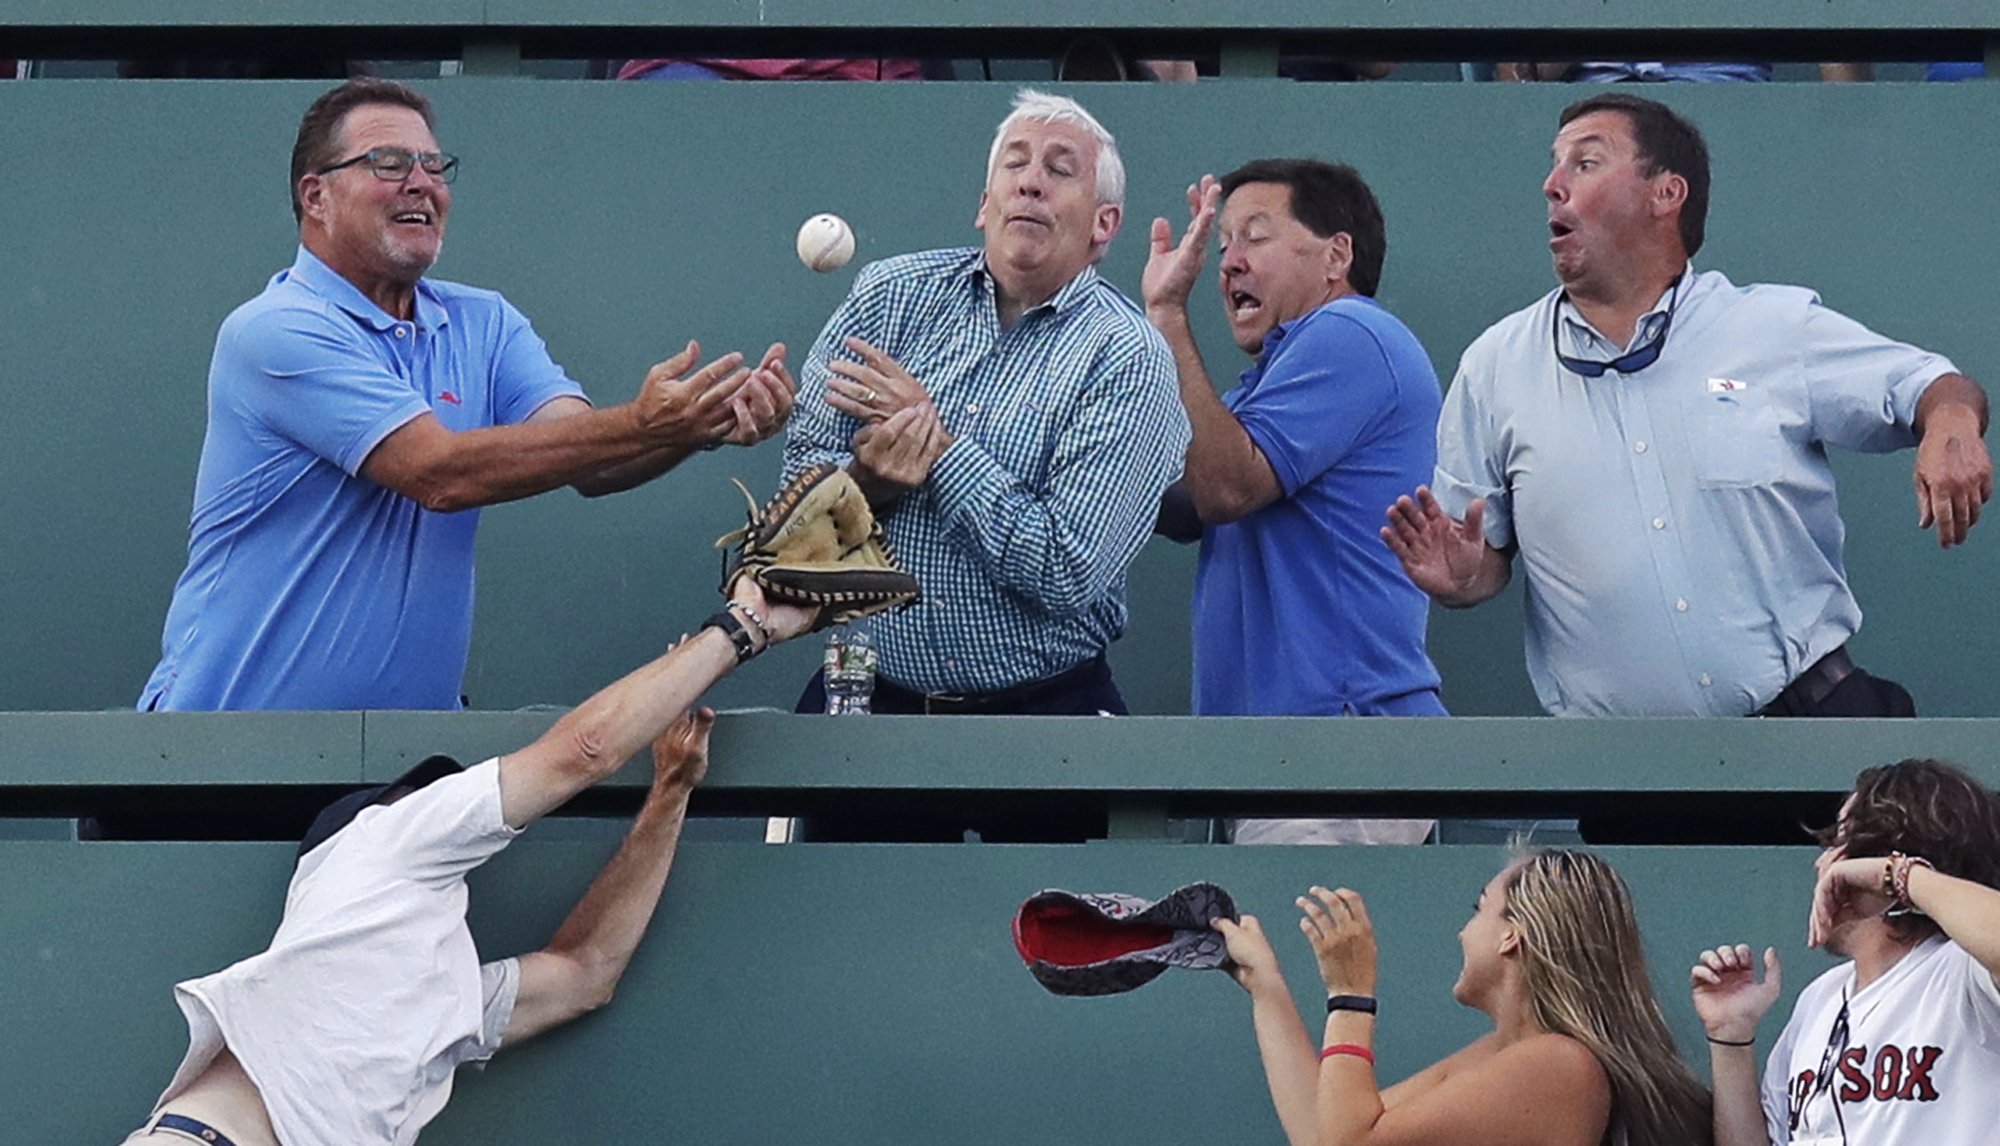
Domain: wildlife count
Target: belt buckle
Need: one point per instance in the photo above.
(948, 700)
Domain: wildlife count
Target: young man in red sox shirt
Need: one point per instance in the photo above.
(1902, 1043)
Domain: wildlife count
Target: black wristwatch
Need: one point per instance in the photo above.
(731, 627)
(1363, 1003)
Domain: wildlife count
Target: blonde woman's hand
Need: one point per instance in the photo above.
(1253, 964)
(1337, 925)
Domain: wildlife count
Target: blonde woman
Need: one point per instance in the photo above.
(1579, 1054)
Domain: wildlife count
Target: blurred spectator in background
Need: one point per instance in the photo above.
(1602, 72)
(1954, 71)
(1306, 68)
(710, 69)
(1654, 71)
(301, 66)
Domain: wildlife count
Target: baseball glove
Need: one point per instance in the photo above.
(817, 543)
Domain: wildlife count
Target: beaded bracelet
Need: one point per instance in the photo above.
(1898, 876)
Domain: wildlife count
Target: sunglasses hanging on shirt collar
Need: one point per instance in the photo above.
(1628, 363)
(1829, 1063)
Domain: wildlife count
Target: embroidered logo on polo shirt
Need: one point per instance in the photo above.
(1725, 385)
(448, 396)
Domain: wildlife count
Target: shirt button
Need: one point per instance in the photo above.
(1659, 523)
(1638, 447)
(402, 332)
(972, 407)
(1706, 680)
(1681, 605)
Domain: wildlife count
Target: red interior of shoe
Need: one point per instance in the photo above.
(1070, 936)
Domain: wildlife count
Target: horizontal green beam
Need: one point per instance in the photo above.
(772, 752)
(72, 749)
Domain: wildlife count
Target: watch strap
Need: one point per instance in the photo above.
(1363, 1003)
(739, 637)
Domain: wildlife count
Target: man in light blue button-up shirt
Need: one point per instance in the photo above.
(1650, 441)
(1013, 419)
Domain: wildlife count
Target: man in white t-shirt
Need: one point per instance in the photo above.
(1900, 1045)
(345, 1031)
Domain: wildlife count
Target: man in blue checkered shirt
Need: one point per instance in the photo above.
(1013, 419)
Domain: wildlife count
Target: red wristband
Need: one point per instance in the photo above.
(1360, 1052)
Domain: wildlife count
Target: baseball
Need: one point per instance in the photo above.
(826, 242)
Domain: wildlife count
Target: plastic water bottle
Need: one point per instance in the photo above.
(850, 672)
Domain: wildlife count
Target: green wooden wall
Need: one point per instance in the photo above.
(844, 994)
(626, 218)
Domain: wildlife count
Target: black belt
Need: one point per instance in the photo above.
(195, 1127)
(1818, 682)
(1000, 700)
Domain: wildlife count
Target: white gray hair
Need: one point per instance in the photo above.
(1041, 107)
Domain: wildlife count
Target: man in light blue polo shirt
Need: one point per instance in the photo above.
(360, 413)
(1298, 610)
(1650, 440)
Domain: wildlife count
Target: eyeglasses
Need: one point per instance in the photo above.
(1628, 363)
(394, 164)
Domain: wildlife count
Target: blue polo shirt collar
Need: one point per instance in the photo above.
(1276, 335)
(312, 273)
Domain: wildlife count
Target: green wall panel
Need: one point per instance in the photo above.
(626, 218)
(842, 994)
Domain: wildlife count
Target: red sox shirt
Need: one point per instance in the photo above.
(1916, 1061)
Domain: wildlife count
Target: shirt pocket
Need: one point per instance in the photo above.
(1737, 442)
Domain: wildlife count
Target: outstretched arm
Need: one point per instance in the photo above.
(1281, 1038)
(577, 972)
(759, 410)
(1730, 1002)
(594, 739)
(679, 410)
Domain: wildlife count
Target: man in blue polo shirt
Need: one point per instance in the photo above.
(1298, 608)
(360, 413)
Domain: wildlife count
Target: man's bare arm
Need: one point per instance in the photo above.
(593, 740)
(579, 969)
(760, 410)
(1954, 473)
(443, 470)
